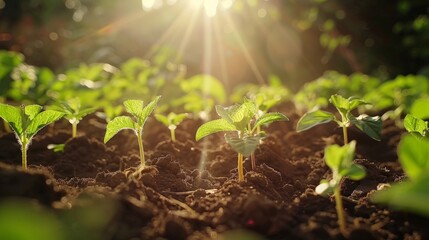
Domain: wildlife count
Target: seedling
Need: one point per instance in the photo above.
(371, 126)
(241, 124)
(26, 121)
(140, 114)
(340, 161)
(413, 194)
(416, 126)
(172, 120)
(74, 112)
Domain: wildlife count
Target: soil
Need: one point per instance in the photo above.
(189, 189)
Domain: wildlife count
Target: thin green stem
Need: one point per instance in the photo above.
(74, 130)
(340, 210)
(173, 134)
(141, 149)
(24, 153)
(240, 167)
(346, 140)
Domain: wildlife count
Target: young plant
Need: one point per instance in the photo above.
(413, 194)
(139, 113)
(172, 120)
(416, 126)
(74, 112)
(371, 126)
(241, 123)
(340, 161)
(26, 121)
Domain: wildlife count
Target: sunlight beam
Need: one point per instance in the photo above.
(246, 52)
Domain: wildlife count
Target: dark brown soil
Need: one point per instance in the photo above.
(189, 190)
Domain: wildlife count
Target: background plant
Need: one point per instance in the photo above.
(74, 112)
(140, 114)
(240, 124)
(340, 160)
(171, 121)
(26, 121)
(371, 126)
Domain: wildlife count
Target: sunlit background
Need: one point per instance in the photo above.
(234, 40)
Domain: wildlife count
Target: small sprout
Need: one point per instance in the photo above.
(340, 161)
(241, 121)
(172, 120)
(26, 121)
(371, 126)
(74, 112)
(140, 114)
(413, 194)
(416, 126)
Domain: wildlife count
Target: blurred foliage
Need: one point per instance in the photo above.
(302, 39)
(315, 94)
(24, 220)
(399, 95)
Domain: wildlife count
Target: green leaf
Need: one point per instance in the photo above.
(419, 108)
(118, 124)
(32, 110)
(414, 156)
(163, 119)
(147, 111)
(312, 119)
(356, 102)
(218, 125)
(135, 107)
(246, 145)
(269, 118)
(12, 115)
(82, 113)
(340, 158)
(41, 120)
(346, 105)
(371, 126)
(406, 196)
(340, 103)
(227, 112)
(413, 124)
(355, 172)
(239, 115)
(176, 119)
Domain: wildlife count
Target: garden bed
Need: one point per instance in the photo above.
(189, 189)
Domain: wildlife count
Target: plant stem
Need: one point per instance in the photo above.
(346, 140)
(173, 135)
(24, 145)
(340, 211)
(141, 149)
(253, 161)
(240, 168)
(74, 130)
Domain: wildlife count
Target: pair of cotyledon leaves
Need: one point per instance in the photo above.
(369, 125)
(26, 121)
(340, 160)
(242, 119)
(139, 113)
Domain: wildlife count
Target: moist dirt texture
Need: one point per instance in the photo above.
(189, 189)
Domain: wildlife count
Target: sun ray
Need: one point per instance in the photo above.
(185, 40)
(245, 50)
(221, 54)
